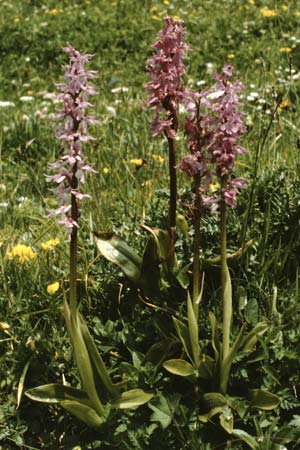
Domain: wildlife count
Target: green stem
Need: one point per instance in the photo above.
(226, 299)
(73, 269)
(196, 256)
(73, 244)
(173, 196)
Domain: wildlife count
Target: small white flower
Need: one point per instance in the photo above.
(4, 205)
(254, 94)
(4, 104)
(111, 110)
(119, 89)
(26, 98)
(201, 83)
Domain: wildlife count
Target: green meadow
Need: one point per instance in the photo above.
(133, 327)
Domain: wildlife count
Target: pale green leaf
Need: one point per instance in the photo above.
(131, 399)
(184, 336)
(262, 399)
(194, 331)
(21, 382)
(56, 393)
(101, 376)
(247, 438)
(179, 367)
(84, 413)
(117, 251)
(84, 363)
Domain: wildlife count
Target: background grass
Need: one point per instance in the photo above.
(265, 52)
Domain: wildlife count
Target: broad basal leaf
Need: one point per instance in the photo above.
(117, 251)
(263, 399)
(179, 367)
(56, 393)
(131, 399)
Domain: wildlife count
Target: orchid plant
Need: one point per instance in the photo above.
(99, 394)
(167, 91)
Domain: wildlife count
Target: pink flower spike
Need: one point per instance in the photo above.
(72, 134)
(166, 70)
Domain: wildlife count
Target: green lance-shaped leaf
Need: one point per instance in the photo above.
(215, 342)
(84, 413)
(251, 338)
(163, 245)
(263, 399)
(179, 367)
(57, 393)
(101, 376)
(84, 363)
(227, 362)
(184, 336)
(149, 280)
(247, 438)
(131, 399)
(21, 382)
(194, 331)
(117, 251)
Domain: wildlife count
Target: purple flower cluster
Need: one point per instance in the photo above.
(214, 126)
(70, 168)
(166, 71)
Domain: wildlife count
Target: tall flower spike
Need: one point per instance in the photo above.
(72, 133)
(225, 124)
(166, 70)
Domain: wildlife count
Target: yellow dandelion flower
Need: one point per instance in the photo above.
(105, 170)
(52, 288)
(176, 17)
(297, 13)
(251, 2)
(284, 104)
(166, 2)
(138, 162)
(21, 252)
(284, 7)
(231, 56)
(55, 11)
(265, 12)
(158, 158)
(285, 50)
(49, 245)
(153, 9)
(155, 17)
